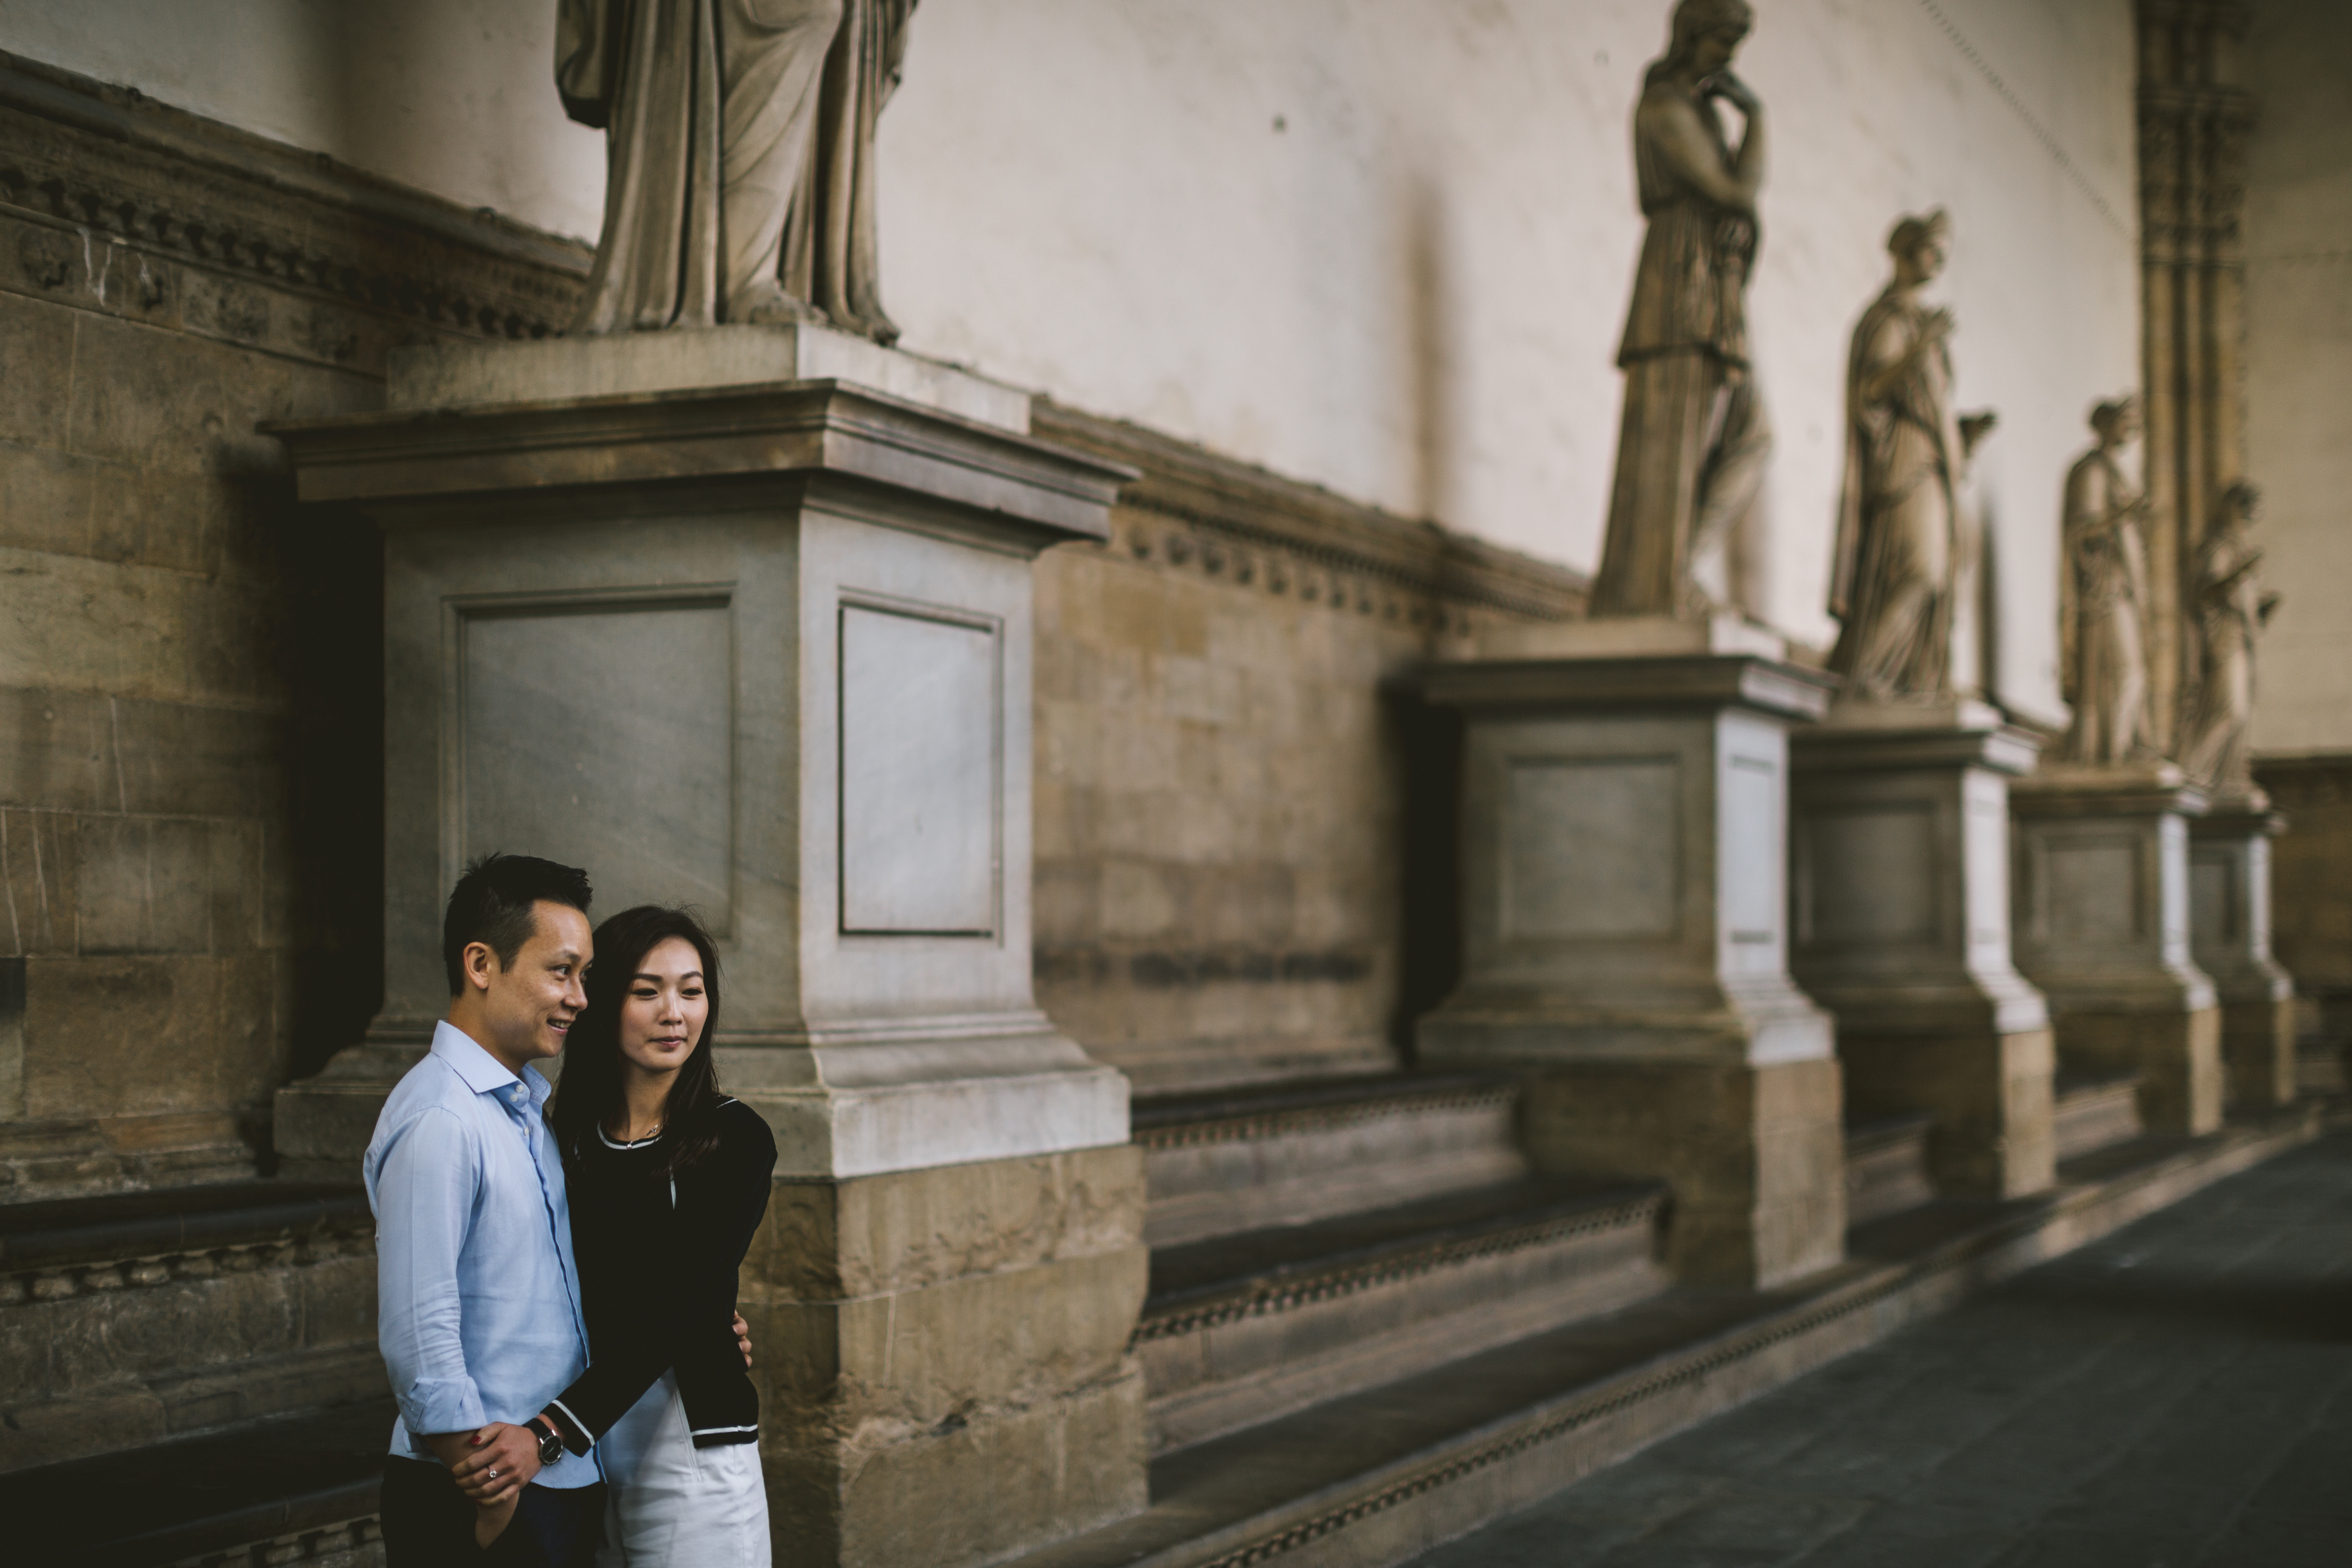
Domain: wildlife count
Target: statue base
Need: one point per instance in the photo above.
(2100, 910)
(2230, 934)
(1900, 861)
(1623, 901)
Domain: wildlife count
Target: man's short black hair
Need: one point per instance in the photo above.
(491, 904)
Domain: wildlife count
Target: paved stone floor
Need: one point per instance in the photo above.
(2178, 1393)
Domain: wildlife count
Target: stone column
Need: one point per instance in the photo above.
(1623, 843)
(2101, 893)
(741, 617)
(1899, 925)
(2229, 936)
(2193, 121)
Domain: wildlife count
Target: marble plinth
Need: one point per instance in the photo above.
(1900, 912)
(2100, 900)
(764, 646)
(2229, 936)
(1624, 903)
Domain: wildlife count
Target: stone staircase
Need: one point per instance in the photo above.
(1887, 1167)
(1312, 1240)
(2092, 1113)
(191, 1375)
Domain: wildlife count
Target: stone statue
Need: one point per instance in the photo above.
(740, 157)
(1900, 531)
(2102, 595)
(1691, 452)
(2230, 611)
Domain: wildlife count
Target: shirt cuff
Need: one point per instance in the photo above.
(436, 1404)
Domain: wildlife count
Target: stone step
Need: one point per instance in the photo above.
(1887, 1167)
(1239, 1330)
(290, 1488)
(130, 1320)
(1244, 1160)
(1377, 1477)
(2092, 1113)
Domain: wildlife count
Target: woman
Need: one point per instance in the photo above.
(668, 1179)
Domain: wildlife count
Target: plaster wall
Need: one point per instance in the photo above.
(1382, 244)
(2298, 232)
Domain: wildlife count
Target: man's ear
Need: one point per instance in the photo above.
(481, 961)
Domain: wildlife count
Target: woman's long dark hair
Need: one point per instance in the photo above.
(589, 1095)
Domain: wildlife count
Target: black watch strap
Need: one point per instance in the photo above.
(551, 1438)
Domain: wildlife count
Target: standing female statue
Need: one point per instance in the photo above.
(2232, 610)
(740, 156)
(2102, 589)
(1690, 454)
(1898, 544)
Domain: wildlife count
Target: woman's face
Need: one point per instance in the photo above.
(663, 1011)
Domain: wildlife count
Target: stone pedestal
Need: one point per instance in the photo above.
(702, 614)
(1623, 843)
(2230, 937)
(2100, 888)
(1899, 920)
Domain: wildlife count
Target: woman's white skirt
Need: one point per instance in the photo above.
(670, 1502)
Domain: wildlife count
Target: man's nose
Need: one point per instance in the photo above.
(575, 995)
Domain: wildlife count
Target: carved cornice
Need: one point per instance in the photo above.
(1195, 510)
(124, 205)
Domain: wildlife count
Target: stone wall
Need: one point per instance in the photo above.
(190, 687)
(1225, 885)
(1383, 244)
(2311, 887)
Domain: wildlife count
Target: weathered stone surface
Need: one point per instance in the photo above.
(1755, 1155)
(944, 1362)
(1901, 870)
(2100, 886)
(2230, 850)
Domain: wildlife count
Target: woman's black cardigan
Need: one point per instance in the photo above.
(657, 1258)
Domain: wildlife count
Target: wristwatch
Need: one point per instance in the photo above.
(550, 1440)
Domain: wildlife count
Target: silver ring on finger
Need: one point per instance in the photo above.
(493, 1475)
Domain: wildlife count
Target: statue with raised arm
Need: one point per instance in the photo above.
(740, 159)
(2231, 612)
(1899, 534)
(1691, 451)
(2102, 596)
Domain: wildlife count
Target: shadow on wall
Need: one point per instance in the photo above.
(331, 656)
(1430, 925)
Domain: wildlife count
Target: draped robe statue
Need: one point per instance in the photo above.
(2230, 611)
(2102, 596)
(1691, 451)
(1899, 528)
(741, 156)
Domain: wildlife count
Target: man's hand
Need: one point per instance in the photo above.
(743, 1338)
(489, 1465)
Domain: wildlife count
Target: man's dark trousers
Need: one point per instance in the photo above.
(429, 1523)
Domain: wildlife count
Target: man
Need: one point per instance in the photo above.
(477, 1302)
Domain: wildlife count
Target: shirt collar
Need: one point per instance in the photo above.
(480, 1071)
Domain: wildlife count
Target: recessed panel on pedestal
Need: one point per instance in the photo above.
(1870, 874)
(920, 728)
(600, 732)
(2091, 892)
(1591, 847)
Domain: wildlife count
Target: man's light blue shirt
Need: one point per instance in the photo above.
(478, 1302)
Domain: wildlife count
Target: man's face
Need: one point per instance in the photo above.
(529, 1005)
